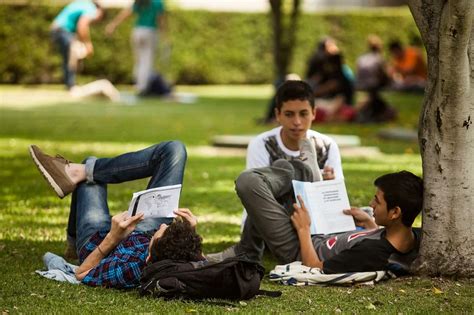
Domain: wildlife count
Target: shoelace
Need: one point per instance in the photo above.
(61, 158)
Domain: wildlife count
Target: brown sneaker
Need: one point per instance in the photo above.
(53, 170)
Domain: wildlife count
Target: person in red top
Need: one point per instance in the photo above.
(407, 67)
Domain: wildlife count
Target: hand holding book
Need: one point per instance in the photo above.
(300, 218)
(361, 218)
(156, 202)
(325, 201)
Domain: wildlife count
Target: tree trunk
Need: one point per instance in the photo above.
(284, 35)
(446, 136)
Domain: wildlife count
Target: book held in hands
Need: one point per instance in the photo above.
(156, 202)
(325, 201)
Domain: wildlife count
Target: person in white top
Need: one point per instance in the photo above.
(295, 111)
(269, 146)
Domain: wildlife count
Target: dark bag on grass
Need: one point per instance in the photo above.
(234, 278)
(157, 86)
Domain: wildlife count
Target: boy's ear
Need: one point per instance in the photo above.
(396, 214)
(277, 113)
(148, 259)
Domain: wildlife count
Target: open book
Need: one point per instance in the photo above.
(156, 202)
(325, 201)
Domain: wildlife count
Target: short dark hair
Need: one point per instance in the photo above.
(405, 190)
(179, 242)
(395, 45)
(294, 90)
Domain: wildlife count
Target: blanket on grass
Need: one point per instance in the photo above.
(299, 275)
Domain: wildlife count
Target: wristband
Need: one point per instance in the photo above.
(100, 250)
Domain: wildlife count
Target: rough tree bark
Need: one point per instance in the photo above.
(284, 35)
(446, 136)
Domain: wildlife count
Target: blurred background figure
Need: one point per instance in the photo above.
(332, 82)
(150, 18)
(407, 67)
(371, 78)
(72, 24)
(328, 75)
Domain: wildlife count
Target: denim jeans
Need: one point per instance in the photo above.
(163, 162)
(267, 195)
(63, 39)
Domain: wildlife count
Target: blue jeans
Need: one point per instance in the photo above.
(163, 162)
(63, 39)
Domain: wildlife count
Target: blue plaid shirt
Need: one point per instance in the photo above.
(123, 266)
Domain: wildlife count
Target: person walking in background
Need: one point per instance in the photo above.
(73, 22)
(150, 19)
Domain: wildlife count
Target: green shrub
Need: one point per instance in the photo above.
(204, 47)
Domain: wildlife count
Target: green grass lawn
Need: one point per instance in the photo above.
(33, 220)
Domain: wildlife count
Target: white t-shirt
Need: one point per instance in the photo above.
(258, 156)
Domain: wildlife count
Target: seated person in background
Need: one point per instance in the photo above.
(332, 85)
(285, 230)
(371, 78)
(331, 81)
(113, 251)
(407, 67)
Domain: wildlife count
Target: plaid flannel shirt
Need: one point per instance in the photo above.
(122, 267)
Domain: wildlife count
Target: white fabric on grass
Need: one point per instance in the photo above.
(299, 275)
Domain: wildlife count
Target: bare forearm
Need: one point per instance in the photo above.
(83, 29)
(309, 256)
(100, 252)
(122, 16)
(370, 225)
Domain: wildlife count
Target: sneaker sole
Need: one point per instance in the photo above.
(46, 175)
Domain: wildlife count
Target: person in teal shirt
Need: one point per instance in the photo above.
(150, 19)
(73, 23)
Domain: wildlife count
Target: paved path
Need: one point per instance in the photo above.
(209, 151)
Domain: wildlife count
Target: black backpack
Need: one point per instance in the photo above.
(234, 278)
(157, 86)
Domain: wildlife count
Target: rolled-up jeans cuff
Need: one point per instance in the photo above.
(90, 163)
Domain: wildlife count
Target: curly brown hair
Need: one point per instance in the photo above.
(179, 242)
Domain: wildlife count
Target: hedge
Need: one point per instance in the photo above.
(204, 47)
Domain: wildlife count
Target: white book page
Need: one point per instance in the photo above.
(325, 201)
(156, 202)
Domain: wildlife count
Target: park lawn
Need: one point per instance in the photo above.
(33, 220)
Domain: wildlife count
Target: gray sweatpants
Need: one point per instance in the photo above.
(267, 195)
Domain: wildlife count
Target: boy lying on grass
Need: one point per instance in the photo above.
(113, 251)
(276, 222)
